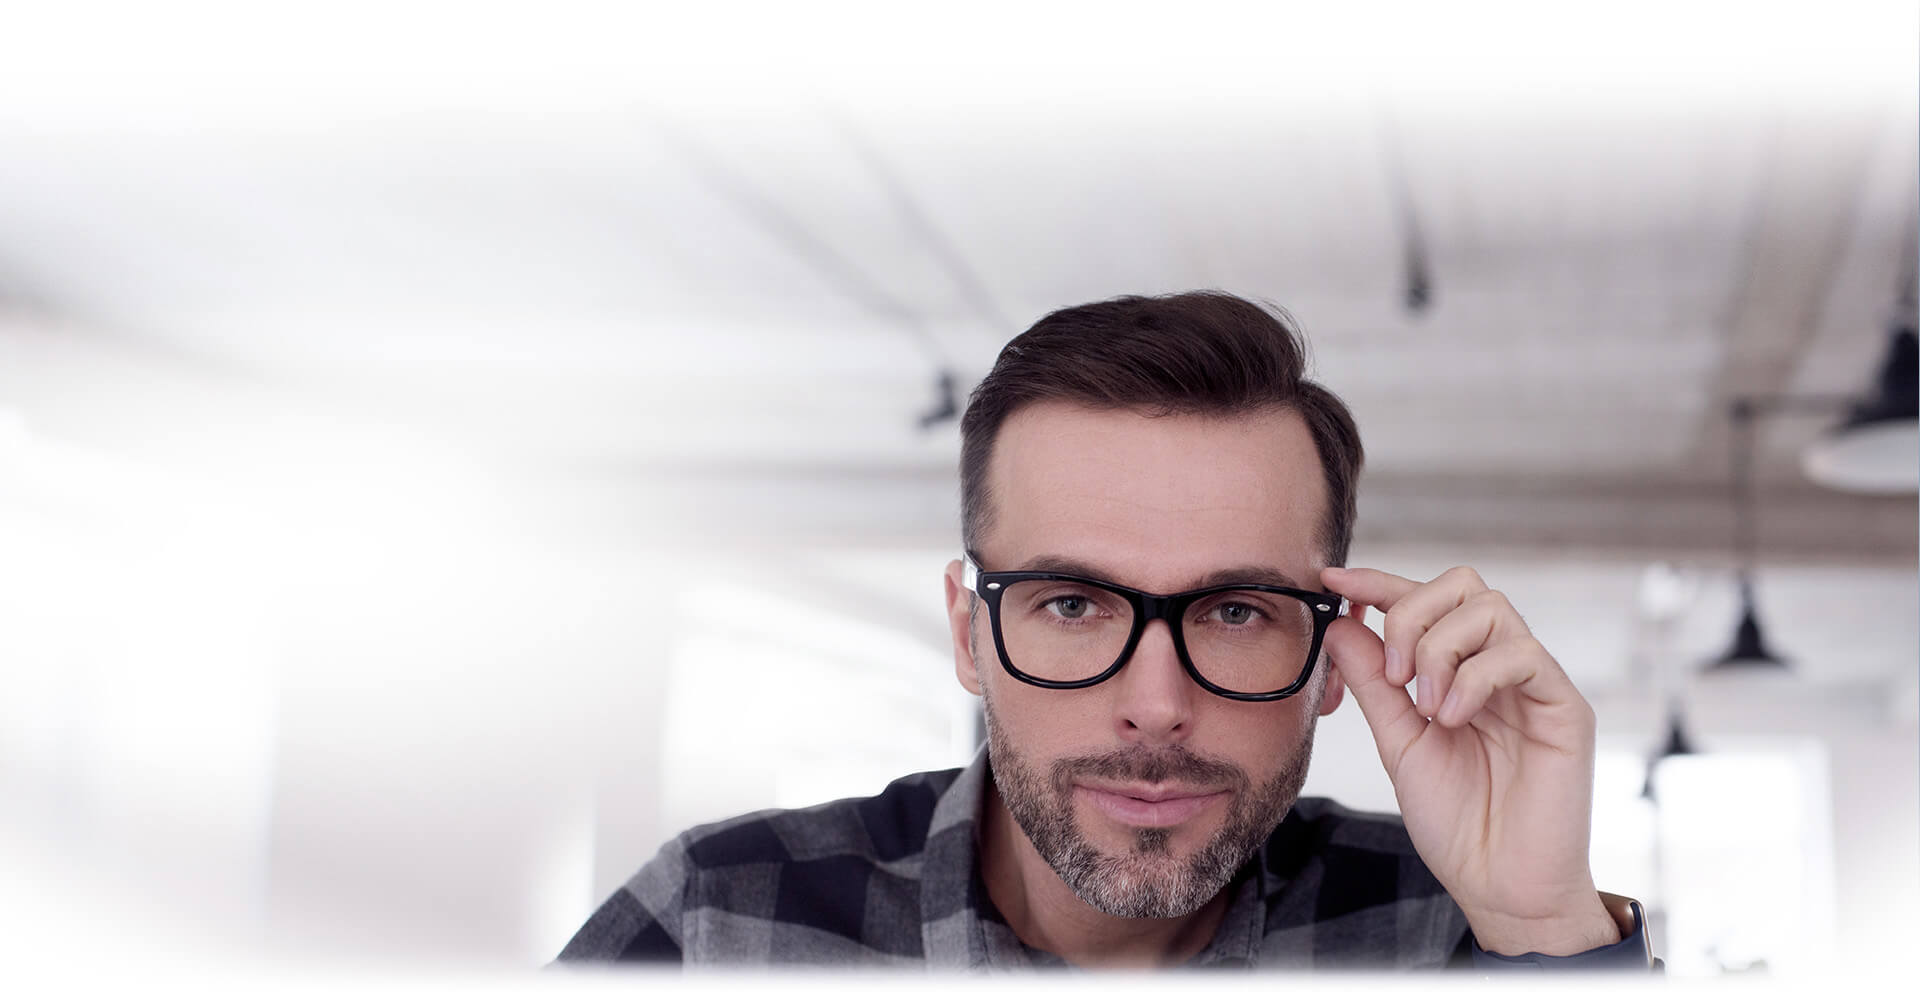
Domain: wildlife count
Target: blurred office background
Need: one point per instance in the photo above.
(446, 450)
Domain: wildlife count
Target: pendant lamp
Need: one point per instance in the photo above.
(1748, 651)
(1876, 448)
(1678, 745)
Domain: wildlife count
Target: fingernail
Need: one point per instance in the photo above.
(1420, 695)
(1393, 663)
(1447, 708)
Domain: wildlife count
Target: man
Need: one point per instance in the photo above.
(1152, 608)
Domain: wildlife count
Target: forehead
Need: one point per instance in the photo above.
(1157, 501)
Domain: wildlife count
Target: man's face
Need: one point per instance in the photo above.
(1145, 792)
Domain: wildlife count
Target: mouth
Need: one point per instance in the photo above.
(1147, 805)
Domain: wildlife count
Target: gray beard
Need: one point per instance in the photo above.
(1146, 881)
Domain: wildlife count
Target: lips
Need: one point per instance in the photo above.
(1148, 806)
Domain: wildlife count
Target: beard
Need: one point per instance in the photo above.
(1147, 880)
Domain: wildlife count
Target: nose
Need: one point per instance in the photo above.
(1153, 696)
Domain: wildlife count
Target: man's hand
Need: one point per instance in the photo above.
(1492, 762)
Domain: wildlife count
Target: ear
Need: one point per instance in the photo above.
(960, 624)
(1335, 693)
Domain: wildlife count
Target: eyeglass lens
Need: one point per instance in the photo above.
(1246, 641)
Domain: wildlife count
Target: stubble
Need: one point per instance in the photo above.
(1147, 880)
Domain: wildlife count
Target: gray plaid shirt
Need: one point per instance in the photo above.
(894, 880)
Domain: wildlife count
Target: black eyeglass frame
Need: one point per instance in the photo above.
(1147, 607)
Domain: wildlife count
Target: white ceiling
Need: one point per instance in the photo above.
(738, 245)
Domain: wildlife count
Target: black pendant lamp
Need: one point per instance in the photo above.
(1678, 745)
(1749, 650)
(1876, 448)
(946, 404)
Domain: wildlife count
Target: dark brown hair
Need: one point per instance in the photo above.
(1196, 353)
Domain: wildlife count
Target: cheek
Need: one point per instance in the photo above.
(1044, 724)
(1261, 738)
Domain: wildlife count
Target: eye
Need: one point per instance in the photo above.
(1069, 605)
(1231, 613)
(1235, 610)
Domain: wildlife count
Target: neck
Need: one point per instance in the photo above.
(1046, 914)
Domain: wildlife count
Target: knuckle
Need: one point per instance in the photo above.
(1498, 604)
(1466, 575)
(1487, 598)
(1432, 652)
(1532, 650)
(1588, 721)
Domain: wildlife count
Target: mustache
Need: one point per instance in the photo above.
(1152, 766)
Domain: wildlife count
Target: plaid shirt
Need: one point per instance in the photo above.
(894, 880)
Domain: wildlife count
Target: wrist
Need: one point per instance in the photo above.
(1583, 925)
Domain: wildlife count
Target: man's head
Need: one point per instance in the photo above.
(1197, 353)
(1153, 443)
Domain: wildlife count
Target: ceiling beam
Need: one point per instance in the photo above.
(867, 508)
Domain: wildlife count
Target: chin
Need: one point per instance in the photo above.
(1142, 872)
(1145, 886)
(1114, 861)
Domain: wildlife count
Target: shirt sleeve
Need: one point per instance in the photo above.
(640, 922)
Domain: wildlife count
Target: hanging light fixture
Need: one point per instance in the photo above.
(1876, 448)
(1749, 647)
(1748, 651)
(946, 404)
(1416, 291)
(1678, 745)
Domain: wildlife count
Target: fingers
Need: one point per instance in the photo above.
(1371, 587)
(1418, 611)
(1411, 608)
(1367, 586)
(1523, 666)
(1359, 657)
(1430, 628)
(1457, 635)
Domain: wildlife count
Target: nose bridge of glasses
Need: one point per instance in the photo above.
(1168, 609)
(1153, 606)
(1153, 661)
(1162, 611)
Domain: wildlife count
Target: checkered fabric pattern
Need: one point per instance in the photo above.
(892, 880)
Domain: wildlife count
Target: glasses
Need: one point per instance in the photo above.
(1245, 641)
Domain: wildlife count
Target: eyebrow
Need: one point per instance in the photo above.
(1268, 576)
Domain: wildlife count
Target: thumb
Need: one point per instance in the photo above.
(1361, 658)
